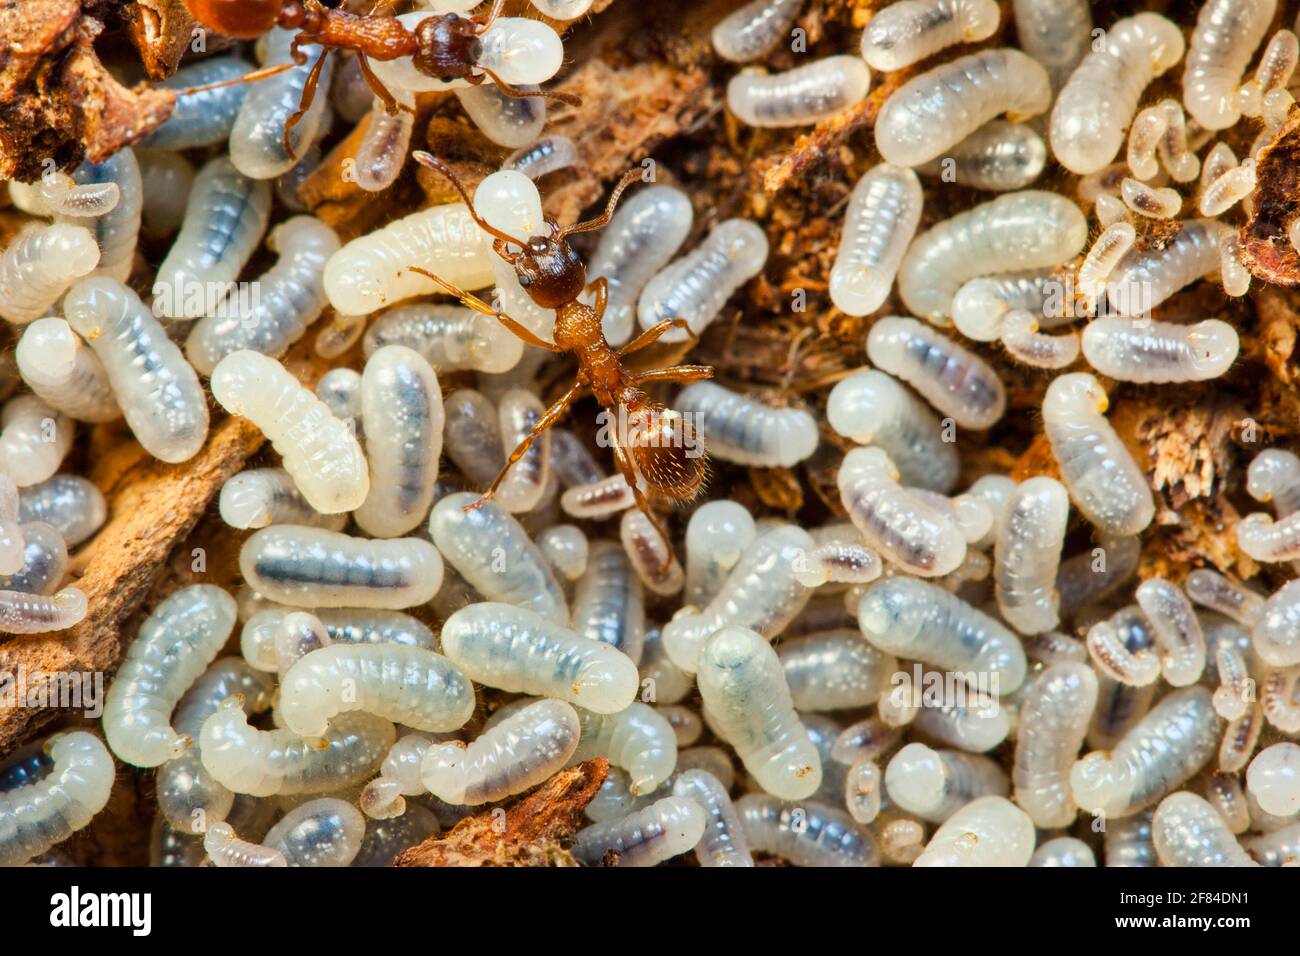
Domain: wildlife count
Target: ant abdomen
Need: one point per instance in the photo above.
(241, 19)
(667, 450)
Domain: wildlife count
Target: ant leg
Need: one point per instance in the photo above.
(391, 106)
(471, 301)
(628, 471)
(600, 287)
(549, 418)
(304, 104)
(675, 373)
(653, 334)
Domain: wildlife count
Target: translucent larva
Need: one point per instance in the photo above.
(259, 497)
(384, 144)
(752, 31)
(1274, 476)
(518, 412)
(373, 271)
(807, 834)
(1273, 779)
(543, 157)
(512, 756)
(1128, 841)
(1228, 190)
(1051, 728)
(956, 382)
(1187, 831)
(39, 265)
(11, 532)
(724, 842)
(663, 830)
(289, 298)
(1144, 279)
(1233, 274)
(834, 670)
(972, 721)
(686, 725)
(907, 529)
(60, 195)
(934, 784)
(509, 121)
(566, 551)
(1223, 42)
(224, 220)
(664, 681)
(1104, 481)
(696, 286)
(520, 51)
(1030, 229)
(493, 552)
(998, 157)
(801, 96)
(1275, 637)
(1144, 138)
(224, 849)
(1267, 95)
(1023, 341)
(257, 146)
(839, 563)
(65, 374)
(1149, 201)
(320, 452)
(637, 739)
(1027, 554)
(312, 567)
(472, 438)
(115, 229)
(1106, 253)
(880, 220)
(920, 621)
(204, 117)
(69, 503)
(399, 777)
(516, 650)
(745, 693)
(187, 794)
(170, 177)
(1162, 751)
(743, 429)
(1278, 848)
(1063, 851)
(1098, 101)
(1108, 647)
(639, 241)
(1177, 631)
(1056, 33)
(448, 336)
(761, 593)
(37, 815)
(34, 439)
(931, 113)
(325, 832)
(409, 685)
(908, 32)
(990, 831)
(608, 605)
(718, 533)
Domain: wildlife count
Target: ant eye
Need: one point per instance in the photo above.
(525, 280)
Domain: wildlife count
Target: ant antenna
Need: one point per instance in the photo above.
(568, 99)
(428, 161)
(492, 16)
(259, 74)
(629, 177)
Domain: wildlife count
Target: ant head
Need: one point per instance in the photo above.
(449, 46)
(666, 448)
(548, 269)
(241, 19)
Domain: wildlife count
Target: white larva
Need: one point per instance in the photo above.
(880, 220)
(718, 533)
(11, 531)
(324, 832)
(801, 96)
(723, 843)
(652, 557)
(1188, 831)
(1098, 101)
(399, 777)
(34, 439)
(1275, 637)
(312, 567)
(225, 849)
(320, 452)
(520, 51)
(1175, 151)
(1232, 271)
(935, 784)
(472, 438)
(761, 592)
(509, 121)
(990, 831)
(173, 647)
(1050, 730)
(64, 373)
(915, 620)
(1228, 190)
(1267, 95)
(872, 408)
(1162, 751)
(973, 721)
(665, 829)
(637, 739)
(58, 194)
(743, 429)
(374, 271)
(1145, 351)
(1056, 33)
(1144, 138)
(808, 833)
(1177, 631)
(1148, 201)
(289, 298)
(998, 157)
(69, 503)
(1027, 554)
(1030, 229)
(517, 650)
(1266, 540)
(258, 497)
(1144, 279)
(1104, 481)
(641, 239)
(749, 704)
(205, 116)
(840, 562)
(448, 336)
(117, 228)
(931, 113)
(1063, 851)
(543, 157)
(863, 790)
(1106, 253)
(905, 33)
(608, 604)
(752, 31)
(1023, 341)
(385, 144)
(906, 528)
(1117, 656)
(38, 266)
(36, 816)
(518, 412)
(696, 286)
(1223, 42)
(566, 551)
(493, 552)
(510, 203)
(834, 670)
(225, 217)
(1229, 597)
(170, 177)
(22, 613)
(1273, 779)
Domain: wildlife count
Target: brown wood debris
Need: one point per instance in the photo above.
(162, 30)
(1266, 248)
(532, 831)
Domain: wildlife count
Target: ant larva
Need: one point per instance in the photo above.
(442, 46)
(657, 444)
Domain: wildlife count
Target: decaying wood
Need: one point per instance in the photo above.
(532, 831)
(162, 30)
(1266, 248)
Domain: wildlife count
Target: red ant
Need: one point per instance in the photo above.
(444, 46)
(660, 444)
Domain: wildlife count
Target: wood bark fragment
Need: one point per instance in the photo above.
(534, 830)
(162, 30)
(1266, 249)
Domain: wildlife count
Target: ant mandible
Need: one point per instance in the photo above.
(659, 444)
(443, 46)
